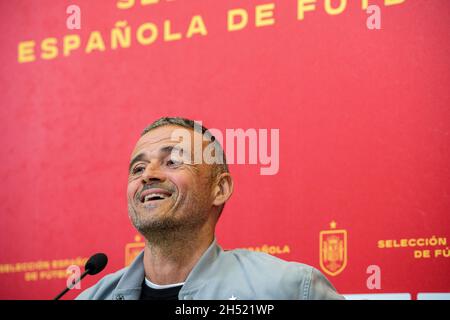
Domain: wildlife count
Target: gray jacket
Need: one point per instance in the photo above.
(223, 275)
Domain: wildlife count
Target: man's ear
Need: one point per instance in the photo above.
(223, 189)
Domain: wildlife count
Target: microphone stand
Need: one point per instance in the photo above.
(85, 273)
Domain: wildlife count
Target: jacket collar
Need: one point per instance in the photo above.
(130, 284)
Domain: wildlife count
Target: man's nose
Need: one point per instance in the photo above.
(153, 173)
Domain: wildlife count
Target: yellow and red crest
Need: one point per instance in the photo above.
(133, 249)
(333, 250)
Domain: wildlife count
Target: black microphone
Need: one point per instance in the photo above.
(94, 265)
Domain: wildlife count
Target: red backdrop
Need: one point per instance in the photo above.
(363, 117)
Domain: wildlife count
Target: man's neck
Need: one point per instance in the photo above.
(172, 262)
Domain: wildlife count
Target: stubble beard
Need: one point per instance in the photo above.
(167, 230)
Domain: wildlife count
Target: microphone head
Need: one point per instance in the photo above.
(96, 263)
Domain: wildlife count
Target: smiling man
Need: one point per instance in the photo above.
(175, 202)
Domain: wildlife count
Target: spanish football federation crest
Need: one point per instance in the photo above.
(333, 250)
(133, 249)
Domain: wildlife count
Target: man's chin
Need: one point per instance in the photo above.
(151, 213)
(158, 228)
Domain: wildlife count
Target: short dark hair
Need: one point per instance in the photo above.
(190, 124)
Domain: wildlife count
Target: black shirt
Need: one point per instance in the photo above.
(148, 293)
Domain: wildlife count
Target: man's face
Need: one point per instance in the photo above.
(166, 192)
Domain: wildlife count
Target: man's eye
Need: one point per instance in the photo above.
(138, 169)
(174, 162)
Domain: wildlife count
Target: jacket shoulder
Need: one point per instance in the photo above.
(289, 280)
(269, 263)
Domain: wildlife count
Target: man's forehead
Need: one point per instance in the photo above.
(165, 135)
